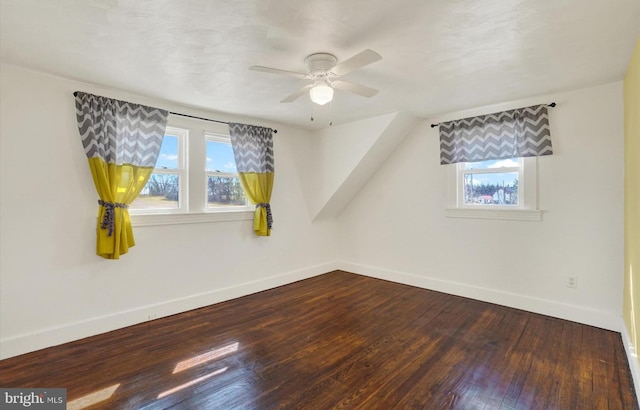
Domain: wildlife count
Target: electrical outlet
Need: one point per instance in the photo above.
(572, 282)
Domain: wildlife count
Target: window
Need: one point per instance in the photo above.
(494, 189)
(165, 192)
(223, 185)
(492, 183)
(195, 179)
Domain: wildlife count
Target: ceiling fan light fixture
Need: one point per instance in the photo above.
(321, 94)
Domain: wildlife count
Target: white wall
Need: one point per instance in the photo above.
(53, 288)
(396, 228)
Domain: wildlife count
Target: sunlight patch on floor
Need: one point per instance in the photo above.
(92, 398)
(191, 383)
(205, 357)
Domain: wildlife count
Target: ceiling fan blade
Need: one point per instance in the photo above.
(354, 88)
(277, 71)
(359, 60)
(297, 94)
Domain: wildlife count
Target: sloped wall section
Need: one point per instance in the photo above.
(341, 160)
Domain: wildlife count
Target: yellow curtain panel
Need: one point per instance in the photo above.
(122, 142)
(253, 152)
(257, 187)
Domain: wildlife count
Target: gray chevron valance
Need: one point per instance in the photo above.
(523, 132)
(120, 132)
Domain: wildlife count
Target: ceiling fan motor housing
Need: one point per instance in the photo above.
(319, 64)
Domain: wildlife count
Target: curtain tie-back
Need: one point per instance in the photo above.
(108, 220)
(266, 206)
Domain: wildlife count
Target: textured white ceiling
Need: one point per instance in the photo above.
(438, 55)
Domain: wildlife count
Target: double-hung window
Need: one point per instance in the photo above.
(195, 179)
(491, 183)
(494, 189)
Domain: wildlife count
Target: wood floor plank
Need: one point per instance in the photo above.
(340, 341)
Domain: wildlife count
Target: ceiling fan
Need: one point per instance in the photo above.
(325, 72)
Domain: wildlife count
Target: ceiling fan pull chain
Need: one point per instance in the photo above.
(313, 112)
(331, 113)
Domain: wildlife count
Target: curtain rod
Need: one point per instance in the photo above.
(75, 94)
(553, 104)
(206, 119)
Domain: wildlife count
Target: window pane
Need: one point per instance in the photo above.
(224, 191)
(220, 157)
(161, 192)
(491, 189)
(493, 163)
(168, 158)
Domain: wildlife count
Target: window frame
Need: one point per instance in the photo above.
(526, 210)
(225, 139)
(194, 207)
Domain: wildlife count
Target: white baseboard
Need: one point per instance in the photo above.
(41, 339)
(632, 358)
(580, 314)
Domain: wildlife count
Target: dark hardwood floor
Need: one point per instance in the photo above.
(339, 341)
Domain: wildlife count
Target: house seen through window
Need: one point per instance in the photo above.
(490, 183)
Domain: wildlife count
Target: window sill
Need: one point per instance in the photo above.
(507, 214)
(191, 218)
